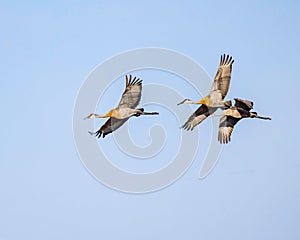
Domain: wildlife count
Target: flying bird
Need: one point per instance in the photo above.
(231, 116)
(215, 98)
(126, 108)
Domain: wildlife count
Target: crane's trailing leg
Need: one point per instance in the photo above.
(140, 112)
(150, 113)
(254, 115)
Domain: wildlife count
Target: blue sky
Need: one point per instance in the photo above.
(47, 51)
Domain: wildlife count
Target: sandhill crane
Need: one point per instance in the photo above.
(231, 116)
(215, 98)
(126, 108)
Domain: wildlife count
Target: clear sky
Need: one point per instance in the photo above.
(47, 51)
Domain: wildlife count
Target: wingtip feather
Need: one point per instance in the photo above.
(226, 59)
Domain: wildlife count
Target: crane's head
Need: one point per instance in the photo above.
(92, 115)
(185, 101)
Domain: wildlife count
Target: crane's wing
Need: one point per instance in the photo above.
(244, 104)
(132, 94)
(222, 78)
(226, 126)
(198, 116)
(109, 126)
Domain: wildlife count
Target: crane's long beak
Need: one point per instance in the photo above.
(180, 103)
(184, 101)
(92, 115)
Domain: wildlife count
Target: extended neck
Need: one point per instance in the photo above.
(94, 115)
(109, 114)
(202, 101)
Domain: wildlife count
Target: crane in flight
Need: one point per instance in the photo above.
(231, 116)
(126, 108)
(215, 98)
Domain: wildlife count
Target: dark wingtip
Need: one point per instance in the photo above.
(134, 80)
(96, 134)
(99, 133)
(226, 59)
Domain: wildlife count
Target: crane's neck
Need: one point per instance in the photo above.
(206, 101)
(109, 114)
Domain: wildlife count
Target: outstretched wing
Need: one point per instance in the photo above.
(198, 116)
(109, 126)
(225, 128)
(132, 94)
(244, 104)
(222, 78)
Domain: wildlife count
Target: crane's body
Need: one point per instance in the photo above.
(232, 116)
(126, 108)
(119, 113)
(215, 98)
